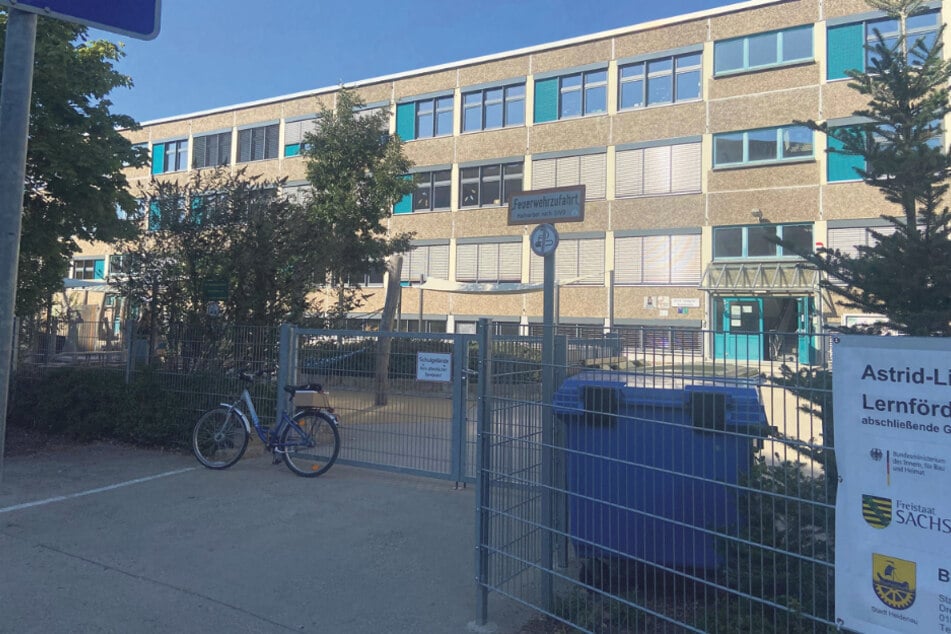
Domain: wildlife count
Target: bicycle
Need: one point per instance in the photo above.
(308, 442)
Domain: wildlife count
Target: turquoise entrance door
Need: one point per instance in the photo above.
(807, 349)
(741, 337)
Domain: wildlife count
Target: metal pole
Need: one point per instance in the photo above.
(483, 459)
(422, 279)
(548, 432)
(14, 127)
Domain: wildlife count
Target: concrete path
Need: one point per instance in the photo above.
(105, 538)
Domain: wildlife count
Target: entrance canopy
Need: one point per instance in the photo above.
(777, 278)
(96, 286)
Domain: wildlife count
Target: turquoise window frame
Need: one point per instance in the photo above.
(546, 100)
(779, 156)
(292, 150)
(406, 121)
(746, 66)
(840, 166)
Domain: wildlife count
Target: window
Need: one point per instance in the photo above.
(170, 156)
(294, 132)
(489, 185)
(760, 241)
(763, 50)
(589, 170)
(841, 166)
(492, 108)
(164, 212)
(89, 269)
(846, 43)
(659, 81)
(576, 95)
(424, 118)
(489, 262)
(211, 150)
(297, 193)
(658, 260)
(427, 261)
(118, 264)
(767, 145)
(257, 144)
(660, 170)
(433, 190)
(577, 261)
(375, 277)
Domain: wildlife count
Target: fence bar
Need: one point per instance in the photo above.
(483, 459)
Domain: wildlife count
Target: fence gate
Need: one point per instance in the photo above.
(655, 492)
(417, 417)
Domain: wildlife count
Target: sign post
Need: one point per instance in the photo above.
(892, 405)
(546, 206)
(137, 18)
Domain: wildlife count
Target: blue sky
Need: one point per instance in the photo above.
(214, 53)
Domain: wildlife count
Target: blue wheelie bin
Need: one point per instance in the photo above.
(653, 463)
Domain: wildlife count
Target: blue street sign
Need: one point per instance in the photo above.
(135, 18)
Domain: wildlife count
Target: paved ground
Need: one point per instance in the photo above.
(104, 538)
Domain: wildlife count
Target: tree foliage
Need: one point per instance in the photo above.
(358, 172)
(74, 179)
(221, 229)
(906, 276)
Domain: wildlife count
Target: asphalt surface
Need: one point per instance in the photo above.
(105, 538)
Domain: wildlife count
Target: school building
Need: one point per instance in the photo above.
(684, 133)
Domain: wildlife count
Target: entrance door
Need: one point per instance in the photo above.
(807, 349)
(742, 335)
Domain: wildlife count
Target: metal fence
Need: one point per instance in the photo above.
(667, 482)
(678, 493)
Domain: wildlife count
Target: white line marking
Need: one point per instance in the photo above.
(60, 498)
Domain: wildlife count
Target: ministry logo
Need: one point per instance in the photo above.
(877, 511)
(894, 581)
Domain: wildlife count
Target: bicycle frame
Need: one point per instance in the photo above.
(265, 434)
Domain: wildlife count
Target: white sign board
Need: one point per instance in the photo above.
(558, 204)
(892, 405)
(433, 366)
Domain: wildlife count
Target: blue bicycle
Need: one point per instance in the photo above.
(308, 442)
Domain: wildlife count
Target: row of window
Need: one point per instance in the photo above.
(656, 80)
(658, 260)
(650, 171)
(654, 170)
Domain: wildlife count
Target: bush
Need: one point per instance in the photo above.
(95, 403)
(781, 565)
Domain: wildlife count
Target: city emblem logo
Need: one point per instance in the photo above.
(893, 580)
(877, 511)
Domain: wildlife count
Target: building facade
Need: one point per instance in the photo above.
(684, 133)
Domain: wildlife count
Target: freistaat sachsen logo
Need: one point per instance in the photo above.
(877, 511)
(894, 581)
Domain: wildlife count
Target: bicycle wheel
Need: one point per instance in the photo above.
(311, 443)
(219, 439)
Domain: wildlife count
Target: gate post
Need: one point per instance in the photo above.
(286, 360)
(483, 459)
(460, 403)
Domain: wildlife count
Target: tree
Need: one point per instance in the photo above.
(74, 179)
(220, 229)
(358, 172)
(906, 276)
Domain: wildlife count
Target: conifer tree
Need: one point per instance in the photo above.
(906, 275)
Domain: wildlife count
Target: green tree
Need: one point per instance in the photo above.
(74, 179)
(219, 228)
(358, 172)
(906, 276)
